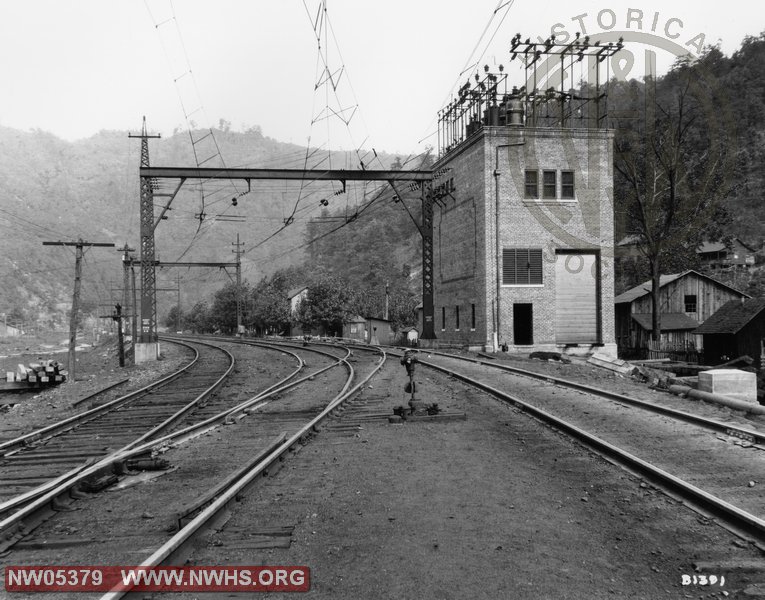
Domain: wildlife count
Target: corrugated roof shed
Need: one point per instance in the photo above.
(732, 316)
(669, 321)
(645, 288)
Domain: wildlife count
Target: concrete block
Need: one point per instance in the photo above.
(145, 352)
(740, 385)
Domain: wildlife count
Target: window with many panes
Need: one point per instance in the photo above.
(690, 303)
(549, 187)
(521, 266)
(567, 185)
(532, 184)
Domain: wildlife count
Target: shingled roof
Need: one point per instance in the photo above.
(645, 288)
(669, 321)
(732, 316)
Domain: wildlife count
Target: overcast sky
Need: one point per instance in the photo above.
(75, 67)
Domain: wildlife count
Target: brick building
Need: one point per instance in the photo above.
(523, 240)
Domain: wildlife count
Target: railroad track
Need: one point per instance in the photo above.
(260, 432)
(262, 530)
(714, 466)
(31, 460)
(118, 436)
(256, 445)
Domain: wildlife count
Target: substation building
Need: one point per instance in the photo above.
(523, 222)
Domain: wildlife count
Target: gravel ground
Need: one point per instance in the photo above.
(496, 506)
(97, 368)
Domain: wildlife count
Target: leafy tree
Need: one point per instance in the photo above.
(223, 310)
(328, 305)
(269, 302)
(199, 318)
(175, 319)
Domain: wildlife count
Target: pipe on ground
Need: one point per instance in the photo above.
(750, 407)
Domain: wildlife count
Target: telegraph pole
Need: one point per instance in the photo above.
(178, 314)
(238, 252)
(79, 245)
(387, 301)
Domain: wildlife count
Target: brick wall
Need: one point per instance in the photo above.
(465, 248)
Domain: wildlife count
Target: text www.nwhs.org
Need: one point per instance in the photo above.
(157, 579)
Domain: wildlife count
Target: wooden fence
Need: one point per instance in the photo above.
(680, 352)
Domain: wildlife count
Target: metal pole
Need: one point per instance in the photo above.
(134, 320)
(239, 253)
(120, 337)
(428, 310)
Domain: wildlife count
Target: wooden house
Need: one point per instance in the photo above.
(720, 255)
(686, 299)
(737, 329)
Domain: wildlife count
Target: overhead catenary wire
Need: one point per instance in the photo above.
(188, 112)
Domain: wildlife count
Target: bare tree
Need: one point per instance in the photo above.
(672, 164)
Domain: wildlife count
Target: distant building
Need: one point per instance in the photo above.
(686, 300)
(9, 330)
(628, 246)
(355, 328)
(379, 331)
(719, 255)
(737, 329)
(295, 296)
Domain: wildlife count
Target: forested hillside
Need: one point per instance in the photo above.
(691, 169)
(52, 190)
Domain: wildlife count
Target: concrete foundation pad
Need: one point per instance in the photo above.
(740, 385)
(146, 351)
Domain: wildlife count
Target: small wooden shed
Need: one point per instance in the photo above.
(355, 328)
(737, 329)
(379, 331)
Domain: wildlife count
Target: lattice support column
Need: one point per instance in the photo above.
(428, 310)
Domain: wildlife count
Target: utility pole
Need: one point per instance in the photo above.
(387, 301)
(238, 252)
(147, 349)
(178, 313)
(79, 245)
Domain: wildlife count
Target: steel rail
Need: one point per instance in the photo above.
(736, 519)
(80, 418)
(78, 474)
(175, 544)
(746, 433)
(112, 461)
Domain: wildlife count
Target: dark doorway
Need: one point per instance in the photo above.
(523, 324)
